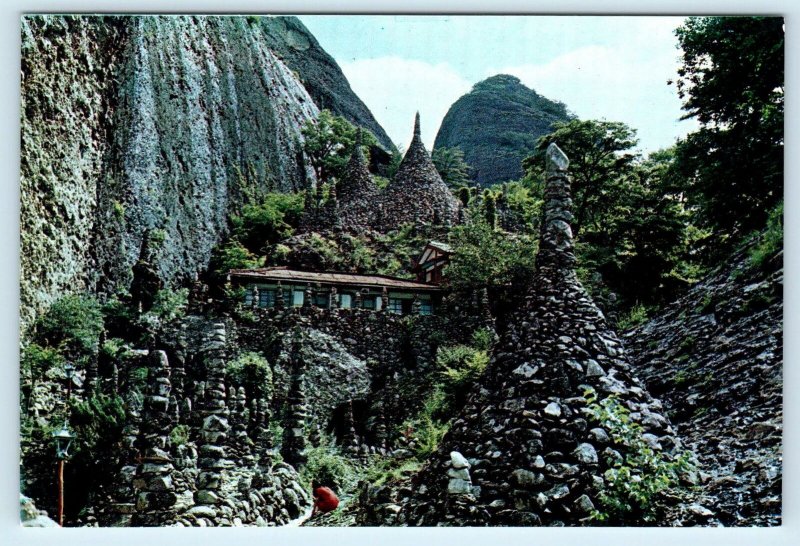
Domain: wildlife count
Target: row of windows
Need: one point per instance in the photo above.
(400, 306)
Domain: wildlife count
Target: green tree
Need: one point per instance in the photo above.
(732, 82)
(329, 142)
(631, 224)
(271, 220)
(486, 257)
(601, 158)
(450, 164)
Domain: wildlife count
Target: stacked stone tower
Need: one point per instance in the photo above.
(535, 453)
(357, 193)
(418, 194)
(294, 435)
(153, 482)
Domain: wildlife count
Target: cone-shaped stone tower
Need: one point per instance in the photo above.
(418, 193)
(535, 453)
(357, 192)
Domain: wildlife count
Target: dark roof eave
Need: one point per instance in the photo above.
(377, 281)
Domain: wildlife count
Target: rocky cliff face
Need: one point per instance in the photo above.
(496, 125)
(715, 357)
(164, 124)
(291, 41)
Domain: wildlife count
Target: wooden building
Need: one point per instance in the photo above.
(335, 290)
(430, 265)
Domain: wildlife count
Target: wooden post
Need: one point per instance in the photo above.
(60, 472)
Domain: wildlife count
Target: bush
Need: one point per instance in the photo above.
(253, 372)
(634, 483)
(483, 256)
(427, 429)
(460, 366)
(36, 360)
(232, 255)
(266, 223)
(770, 241)
(72, 324)
(637, 315)
(170, 304)
(329, 467)
(179, 435)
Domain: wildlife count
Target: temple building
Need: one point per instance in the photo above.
(280, 286)
(431, 263)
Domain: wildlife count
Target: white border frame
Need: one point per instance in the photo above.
(12, 533)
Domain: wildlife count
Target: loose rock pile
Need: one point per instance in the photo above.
(715, 357)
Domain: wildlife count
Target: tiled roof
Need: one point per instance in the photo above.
(349, 279)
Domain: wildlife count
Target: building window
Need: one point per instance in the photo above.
(266, 298)
(322, 299)
(345, 301)
(426, 307)
(297, 298)
(428, 277)
(395, 306)
(368, 303)
(248, 297)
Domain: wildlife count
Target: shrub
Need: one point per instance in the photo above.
(634, 483)
(328, 466)
(482, 339)
(36, 360)
(170, 304)
(427, 429)
(232, 255)
(253, 372)
(637, 315)
(73, 323)
(269, 221)
(179, 435)
(384, 470)
(483, 256)
(460, 366)
(770, 241)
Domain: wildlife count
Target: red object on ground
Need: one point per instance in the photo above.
(326, 500)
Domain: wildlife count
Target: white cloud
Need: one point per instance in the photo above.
(616, 84)
(395, 88)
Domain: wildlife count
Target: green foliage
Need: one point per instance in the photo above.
(253, 372)
(72, 324)
(770, 241)
(460, 366)
(633, 484)
(170, 304)
(637, 315)
(37, 360)
(485, 257)
(490, 209)
(329, 142)
(271, 220)
(327, 465)
(428, 428)
(483, 339)
(232, 255)
(179, 435)
(732, 81)
(450, 164)
(633, 231)
(383, 470)
(97, 422)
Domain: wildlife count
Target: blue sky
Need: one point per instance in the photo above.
(613, 68)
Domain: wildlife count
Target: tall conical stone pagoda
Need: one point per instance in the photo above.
(418, 194)
(527, 449)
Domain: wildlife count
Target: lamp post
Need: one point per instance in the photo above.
(63, 440)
